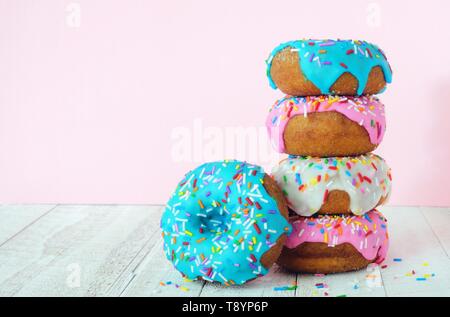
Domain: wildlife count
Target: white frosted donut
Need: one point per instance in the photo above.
(306, 181)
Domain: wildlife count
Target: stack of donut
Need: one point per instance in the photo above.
(228, 221)
(329, 122)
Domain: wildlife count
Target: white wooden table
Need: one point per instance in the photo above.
(116, 250)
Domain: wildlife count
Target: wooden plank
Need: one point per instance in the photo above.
(155, 276)
(363, 283)
(261, 287)
(117, 250)
(124, 280)
(15, 218)
(416, 248)
(128, 275)
(439, 220)
(75, 250)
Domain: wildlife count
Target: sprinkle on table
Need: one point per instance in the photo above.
(181, 287)
(321, 285)
(292, 287)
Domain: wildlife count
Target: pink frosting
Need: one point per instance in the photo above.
(367, 111)
(367, 233)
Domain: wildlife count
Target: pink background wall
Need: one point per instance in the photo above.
(112, 101)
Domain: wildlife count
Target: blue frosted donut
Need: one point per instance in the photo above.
(324, 67)
(225, 223)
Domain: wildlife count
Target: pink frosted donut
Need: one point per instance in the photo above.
(367, 235)
(326, 125)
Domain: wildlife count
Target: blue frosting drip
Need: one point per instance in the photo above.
(324, 61)
(220, 221)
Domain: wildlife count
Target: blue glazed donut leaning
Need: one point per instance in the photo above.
(226, 222)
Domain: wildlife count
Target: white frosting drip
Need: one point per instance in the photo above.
(306, 181)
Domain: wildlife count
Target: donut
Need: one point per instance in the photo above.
(226, 222)
(324, 67)
(334, 185)
(326, 125)
(333, 244)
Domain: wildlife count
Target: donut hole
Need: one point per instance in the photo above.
(214, 222)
